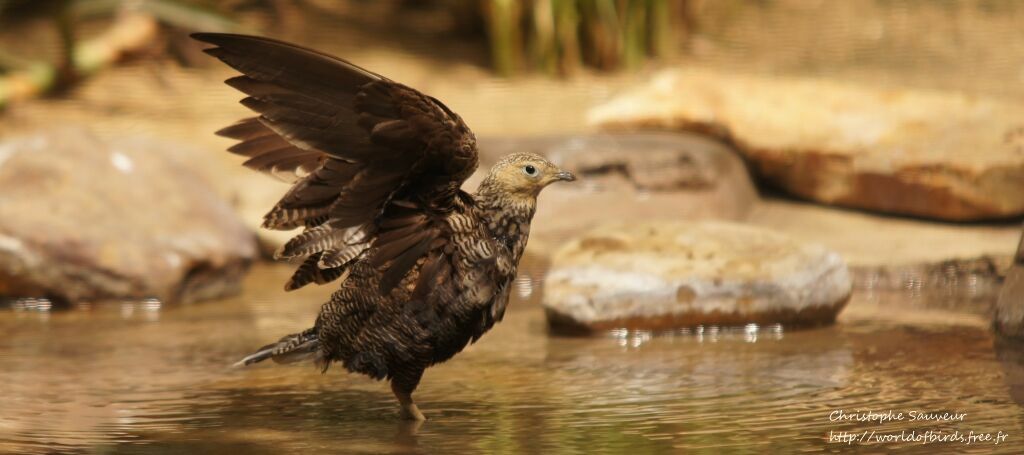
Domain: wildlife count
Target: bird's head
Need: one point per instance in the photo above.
(524, 175)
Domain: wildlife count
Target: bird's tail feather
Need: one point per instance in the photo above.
(293, 348)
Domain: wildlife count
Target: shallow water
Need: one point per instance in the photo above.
(138, 377)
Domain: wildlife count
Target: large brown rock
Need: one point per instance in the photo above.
(931, 154)
(85, 220)
(669, 275)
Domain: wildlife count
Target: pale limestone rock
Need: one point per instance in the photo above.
(931, 154)
(668, 275)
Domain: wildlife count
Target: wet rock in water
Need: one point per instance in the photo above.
(84, 220)
(1010, 353)
(962, 284)
(931, 154)
(1009, 315)
(648, 176)
(670, 275)
(942, 266)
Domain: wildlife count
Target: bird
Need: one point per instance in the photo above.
(424, 267)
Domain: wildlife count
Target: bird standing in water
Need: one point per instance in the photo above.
(425, 268)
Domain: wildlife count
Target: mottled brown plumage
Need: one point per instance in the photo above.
(425, 268)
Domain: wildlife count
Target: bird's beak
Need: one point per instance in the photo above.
(566, 175)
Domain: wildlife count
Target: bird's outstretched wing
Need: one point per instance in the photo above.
(376, 164)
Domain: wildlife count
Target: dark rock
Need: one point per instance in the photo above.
(970, 285)
(1010, 353)
(84, 220)
(1009, 315)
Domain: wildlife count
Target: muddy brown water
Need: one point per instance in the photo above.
(140, 377)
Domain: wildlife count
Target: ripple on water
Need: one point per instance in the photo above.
(94, 380)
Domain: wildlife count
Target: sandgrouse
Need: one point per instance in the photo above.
(424, 267)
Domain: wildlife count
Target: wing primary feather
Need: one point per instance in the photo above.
(248, 128)
(261, 46)
(259, 145)
(283, 159)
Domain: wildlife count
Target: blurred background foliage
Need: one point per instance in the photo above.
(947, 44)
(556, 37)
(971, 46)
(559, 36)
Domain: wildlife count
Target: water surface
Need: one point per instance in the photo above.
(144, 378)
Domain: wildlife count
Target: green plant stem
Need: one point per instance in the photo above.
(567, 23)
(503, 27)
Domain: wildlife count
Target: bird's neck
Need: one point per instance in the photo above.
(508, 218)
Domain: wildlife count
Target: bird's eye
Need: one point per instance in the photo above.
(530, 170)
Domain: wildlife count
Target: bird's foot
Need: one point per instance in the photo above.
(411, 412)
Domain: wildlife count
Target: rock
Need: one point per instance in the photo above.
(871, 240)
(668, 275)
(937, 266)
(968, 285)
(930, 154)
(609, 190)
(1010, 353)
(1009, 315)
(650, 176)
(87, 220)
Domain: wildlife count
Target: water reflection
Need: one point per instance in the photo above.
(143, 377)
(700, 334)
(969, 285)
(32, 304)
(146, 309)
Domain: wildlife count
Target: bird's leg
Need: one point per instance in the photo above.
(409, 409)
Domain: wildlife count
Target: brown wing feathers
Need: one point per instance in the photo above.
(270, 153)
(374, 162)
